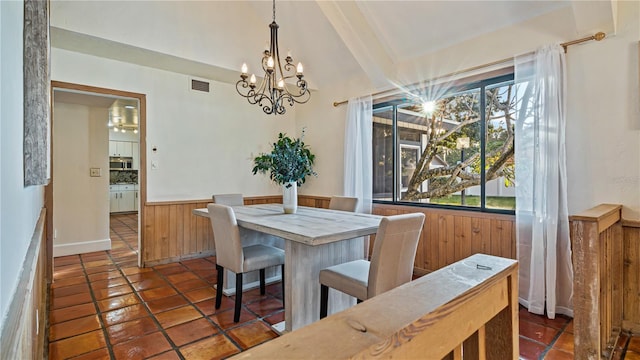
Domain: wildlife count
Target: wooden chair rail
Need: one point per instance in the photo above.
(442, 315)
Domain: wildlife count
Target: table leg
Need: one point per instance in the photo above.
(302, 267)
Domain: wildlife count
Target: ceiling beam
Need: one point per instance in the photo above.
(354, 29)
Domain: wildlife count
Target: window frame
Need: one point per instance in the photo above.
(395, 103)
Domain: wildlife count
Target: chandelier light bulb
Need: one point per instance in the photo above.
(289, 53)
(299, 68)
(270, 63)
(115, 129)
(253, 79)
(135, 131)
(124, 130)
(280, 84)
(244, 69)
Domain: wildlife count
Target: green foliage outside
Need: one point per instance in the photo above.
(493, 202)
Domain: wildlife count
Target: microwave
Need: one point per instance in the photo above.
(120, 163)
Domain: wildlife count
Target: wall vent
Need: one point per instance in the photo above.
(200, 85)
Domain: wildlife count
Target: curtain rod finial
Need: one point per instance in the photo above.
(599, 36)
(335, 104)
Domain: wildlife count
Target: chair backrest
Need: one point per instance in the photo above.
(343, 203)
(226, 236)
(394, 252)
(228, 199)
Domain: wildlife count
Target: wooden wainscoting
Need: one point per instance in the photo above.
(631, 276)
(23, 334)
(452, 235)
(172, 233)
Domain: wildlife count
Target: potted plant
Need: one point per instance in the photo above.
(289, 163)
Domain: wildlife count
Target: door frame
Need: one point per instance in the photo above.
(142, 169)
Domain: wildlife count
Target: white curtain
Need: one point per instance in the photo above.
(544, 250)
(358, 161)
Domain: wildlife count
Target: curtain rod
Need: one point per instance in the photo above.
(597, 37)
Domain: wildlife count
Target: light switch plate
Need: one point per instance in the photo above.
(95, 172)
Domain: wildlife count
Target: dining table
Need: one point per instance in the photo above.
(314, 239)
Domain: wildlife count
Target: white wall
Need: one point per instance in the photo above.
(19, 206)
(325, 128)
(205, 142)
(81, 202)
(603, 119)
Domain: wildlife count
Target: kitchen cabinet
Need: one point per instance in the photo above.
(135, 150)
(121, 148)
(123, 198)
(135, 198)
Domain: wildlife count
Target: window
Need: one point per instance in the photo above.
(454, 151)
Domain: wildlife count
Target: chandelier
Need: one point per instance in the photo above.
(274, 92)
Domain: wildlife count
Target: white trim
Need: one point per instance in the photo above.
(81, 247)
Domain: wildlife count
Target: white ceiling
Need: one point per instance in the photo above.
(333, 39)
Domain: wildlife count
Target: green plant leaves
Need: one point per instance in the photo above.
(290, 160)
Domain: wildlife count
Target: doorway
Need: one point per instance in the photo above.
(117, 127)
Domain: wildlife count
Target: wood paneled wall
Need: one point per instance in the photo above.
(172, 232)
(452, 235)
(23, 333)
(631, 276)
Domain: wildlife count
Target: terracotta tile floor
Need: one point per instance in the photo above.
(104, 307)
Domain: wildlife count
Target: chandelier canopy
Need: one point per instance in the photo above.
(274, 92)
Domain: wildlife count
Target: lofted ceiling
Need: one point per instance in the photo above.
(334, 40)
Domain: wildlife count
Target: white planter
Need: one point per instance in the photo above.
(290, 198)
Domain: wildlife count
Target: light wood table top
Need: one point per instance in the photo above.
(310, 226)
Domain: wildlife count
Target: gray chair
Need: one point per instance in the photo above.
(228, 199)
(343, 203)
(391, 264)
(232, 256)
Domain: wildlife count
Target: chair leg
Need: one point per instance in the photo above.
(324, 299)
(236, 314)
(358, 301)
(262, 281)
(282, 276)
(220, 271)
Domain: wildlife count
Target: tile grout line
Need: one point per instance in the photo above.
(98, 313)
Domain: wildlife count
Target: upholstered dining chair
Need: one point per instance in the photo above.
(343, 203)
(391, 264)
(228, 199)
(232, 256)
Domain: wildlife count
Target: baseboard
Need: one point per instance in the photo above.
(249, 286)
(81, 247)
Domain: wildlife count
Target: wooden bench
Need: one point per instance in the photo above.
(467, 310)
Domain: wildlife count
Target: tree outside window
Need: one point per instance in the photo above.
(455, 150)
